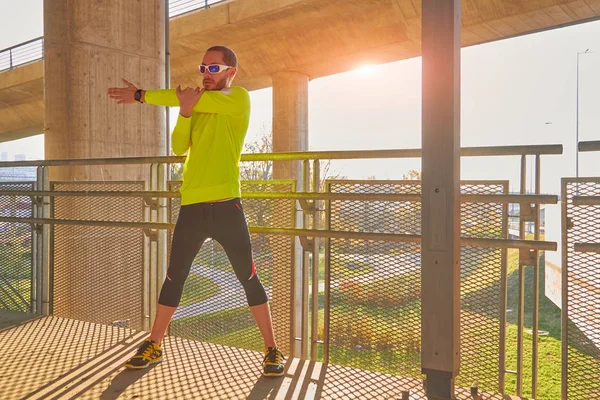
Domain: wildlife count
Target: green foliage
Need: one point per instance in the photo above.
(198, 288)
(395, 291)
(15, 261)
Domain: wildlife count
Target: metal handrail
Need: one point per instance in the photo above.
(587, 247)
(390, 237)
(180, 7)
(465, 198)
(586, 201)
(21, 44)
(593, 145)
(485, 151)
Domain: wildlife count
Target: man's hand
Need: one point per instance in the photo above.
(188, 98)
(124, 95)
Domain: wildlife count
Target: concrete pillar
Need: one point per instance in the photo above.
(290, 133)
(290, 120)
(440, 246)
(88, 47)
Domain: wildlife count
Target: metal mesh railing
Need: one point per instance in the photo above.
(16, 241)
(581, 290)
(368, 318)
(482, 286)
(97, 273)
(375, 308)
(214, 306)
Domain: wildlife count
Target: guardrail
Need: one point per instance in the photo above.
(22, 53)
(33, 50)
(179, 7)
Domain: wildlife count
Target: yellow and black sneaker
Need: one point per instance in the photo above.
(273, 362)
(148, 353)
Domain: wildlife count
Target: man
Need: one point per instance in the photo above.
(211, 128)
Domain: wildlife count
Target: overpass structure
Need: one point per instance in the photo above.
(280, 43)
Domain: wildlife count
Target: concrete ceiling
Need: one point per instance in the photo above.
(325, 37)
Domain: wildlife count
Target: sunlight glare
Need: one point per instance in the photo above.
(367, 69)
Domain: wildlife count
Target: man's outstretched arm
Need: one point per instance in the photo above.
(126, 95)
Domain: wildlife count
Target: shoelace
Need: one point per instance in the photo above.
(278, 357)
(147, 351)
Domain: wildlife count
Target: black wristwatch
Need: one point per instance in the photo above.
(138, 95)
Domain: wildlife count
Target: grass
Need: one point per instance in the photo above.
(15, 262)
(396, 360)
(342, 268)
(8, 298)
(245, 338)
(384, 336)
(198, 288)
(262, 262)
(222, 327)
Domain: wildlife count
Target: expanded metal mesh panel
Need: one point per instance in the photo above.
(583, 292)
(16, 241)
(376, 216)
(97, 271)
(375, 321)
(481, 275)
(375, 307)
(214, 306)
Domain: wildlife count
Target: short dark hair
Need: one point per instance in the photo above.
(229, 55)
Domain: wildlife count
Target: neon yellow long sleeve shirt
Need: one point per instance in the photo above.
(213, 137)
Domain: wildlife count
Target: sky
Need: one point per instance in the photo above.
(514, 92)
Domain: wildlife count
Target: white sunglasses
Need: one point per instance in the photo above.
(213, 68)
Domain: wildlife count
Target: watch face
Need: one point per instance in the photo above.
(137, 95)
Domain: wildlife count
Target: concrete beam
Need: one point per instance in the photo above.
(325, 37)
(22, 102)
(322, 37)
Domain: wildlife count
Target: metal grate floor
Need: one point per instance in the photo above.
(60, 358)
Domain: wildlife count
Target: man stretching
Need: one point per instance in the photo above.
(211, 128)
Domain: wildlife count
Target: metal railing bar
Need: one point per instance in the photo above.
(21, 44)
(536, 285)
(299, 156)
(466, 198)
(390, 237)
(586, 201)
(521, 288)
(593, 145)
(587, 247)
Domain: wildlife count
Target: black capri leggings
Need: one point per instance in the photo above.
(224, 222)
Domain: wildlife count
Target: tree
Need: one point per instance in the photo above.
(263, 170)
(176, 172)
(258, 170)
(412, 175)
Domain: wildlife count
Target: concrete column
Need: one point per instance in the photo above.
(440, 246)
(290, 120)
(290, 133)
(88, 47)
